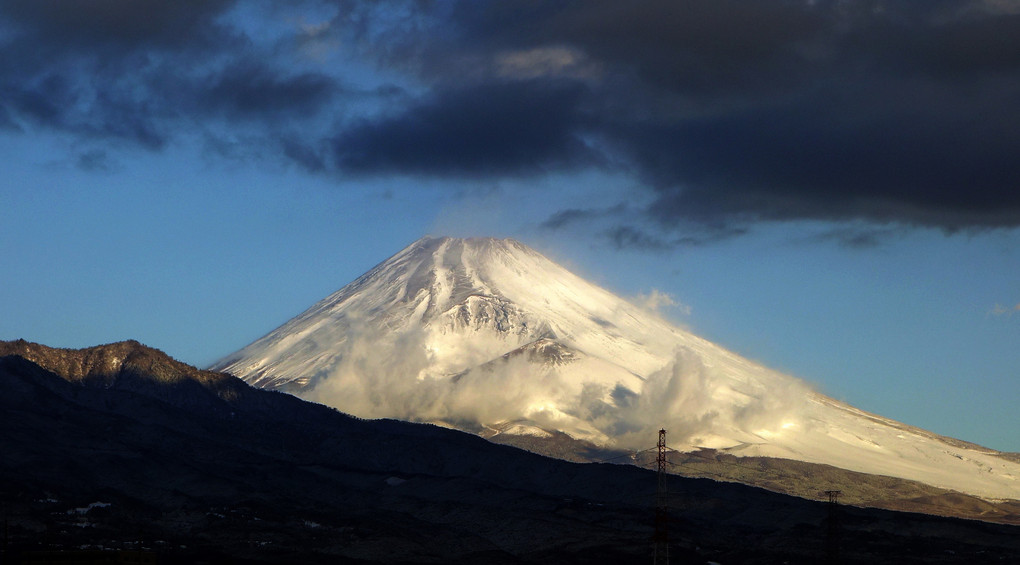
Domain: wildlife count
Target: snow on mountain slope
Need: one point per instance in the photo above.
(476, 333)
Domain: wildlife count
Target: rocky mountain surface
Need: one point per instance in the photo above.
(120, 452)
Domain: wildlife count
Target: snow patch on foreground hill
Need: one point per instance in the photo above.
(479, 332)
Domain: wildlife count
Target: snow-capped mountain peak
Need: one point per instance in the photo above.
(479, 332)
(500, 292)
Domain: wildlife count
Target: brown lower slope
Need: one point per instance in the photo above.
(796, 478)
(810, 480)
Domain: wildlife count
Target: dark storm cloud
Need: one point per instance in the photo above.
(738, 112)
(252, 91)
(727, 112)
(121, 23)
(939, 164)
(145, 72)
(517, 128)
(699, 47)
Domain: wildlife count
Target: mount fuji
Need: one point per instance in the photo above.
(491, 337)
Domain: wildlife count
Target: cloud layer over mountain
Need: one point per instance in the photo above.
(375, 380)
(724, 113)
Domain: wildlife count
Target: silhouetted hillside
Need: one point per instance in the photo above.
(119, 447)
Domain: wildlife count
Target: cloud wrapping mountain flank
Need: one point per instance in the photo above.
(491, 337)
(728, 113)
(373, 380)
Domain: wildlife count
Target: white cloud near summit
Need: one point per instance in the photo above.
(658, 301)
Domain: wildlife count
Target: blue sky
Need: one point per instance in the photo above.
(829, 188)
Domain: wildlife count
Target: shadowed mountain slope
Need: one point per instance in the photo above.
(195, 466)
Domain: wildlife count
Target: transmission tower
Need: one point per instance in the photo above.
(832, 531)
(661, 536)
(833, 497)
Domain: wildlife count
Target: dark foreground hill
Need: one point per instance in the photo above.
(120, 448)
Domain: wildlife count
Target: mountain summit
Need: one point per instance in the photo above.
(490, 336)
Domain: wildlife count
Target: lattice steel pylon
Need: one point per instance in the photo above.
(661, 536)
(832, 531)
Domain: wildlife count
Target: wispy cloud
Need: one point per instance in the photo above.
(681, 395)
(1000, 310)
(656, 301)
(571, 216)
